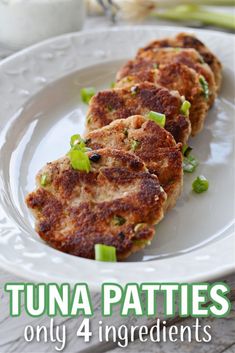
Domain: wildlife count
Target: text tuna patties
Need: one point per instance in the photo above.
(153, 144)
(139, 99)
(116, 203)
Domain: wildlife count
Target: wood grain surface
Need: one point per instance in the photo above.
(12, 330)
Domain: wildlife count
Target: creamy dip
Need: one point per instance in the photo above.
(24, 22)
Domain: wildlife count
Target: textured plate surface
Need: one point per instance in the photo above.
(41, 109)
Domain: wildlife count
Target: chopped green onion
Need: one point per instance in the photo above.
(204, 84)
(134, 90)
(77, 141)
(89, 119)
(79, 160)
(142, 242)
(125, 132)
(43, 180)
(118, 220)
(200, 184)
(78, 157)
(127, 79)
(110, 108)
(192, 12)
(87, 94)
(155, 66)
(74, 139)
(134, 145)
(158, 118)
(105, 253)
(190, 163)
(187, 166)
(139, 227)
(202, 61)
(185, 108)
(112, 85)
(186, 149)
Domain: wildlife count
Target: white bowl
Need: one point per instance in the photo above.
(25, 22)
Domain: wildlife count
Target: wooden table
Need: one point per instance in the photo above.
(12, 329)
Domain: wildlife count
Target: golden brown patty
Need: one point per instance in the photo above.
(116, 203)
(174, 77)
(109, 105)
(185, 40)
(155, 146)
(189, 57)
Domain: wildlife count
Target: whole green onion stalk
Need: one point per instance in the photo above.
(197, 14)
(170, 3)
(175, 10)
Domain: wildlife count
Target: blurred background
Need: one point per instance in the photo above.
(25, 22)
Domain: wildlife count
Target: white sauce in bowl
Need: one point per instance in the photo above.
(24, 22)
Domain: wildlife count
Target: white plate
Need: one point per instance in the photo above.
(41, 109)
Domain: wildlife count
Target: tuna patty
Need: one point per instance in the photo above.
(116, 203)
(139, 99)
(174, 77)
(188, 57)
(185, 40)
(155, 146)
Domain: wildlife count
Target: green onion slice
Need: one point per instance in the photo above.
(79, 160)
(204, 84)
(190, 163)
(142, 242)
(134, 145)
(139, 227)
(110, 108)
(186, 149)
(158, 118)
(202, 61)
(200, 184)
(134, 90)
(43, 180)
(185, 107)
(125, 132)
(77, 154)
(118, 220)
(105, 253)
(77, 141)
(86, 94)
(89, 119)
(112, 84)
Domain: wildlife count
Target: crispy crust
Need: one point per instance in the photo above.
(188, 57)
(157, 148)
(120, 103)
(185, 40)
(175, 76)
(76, 210)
